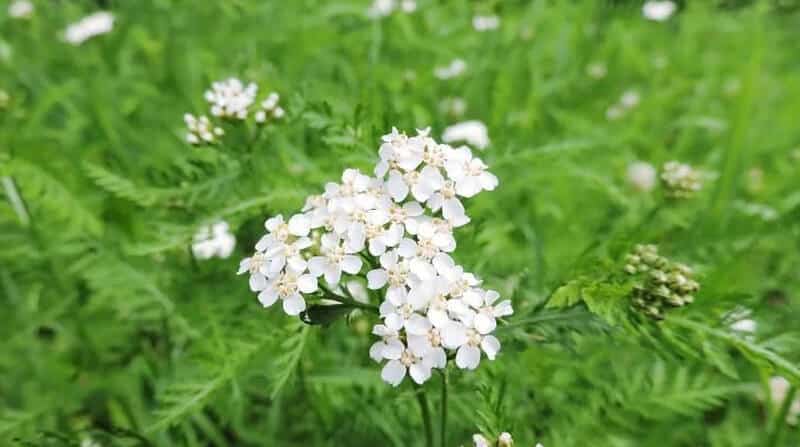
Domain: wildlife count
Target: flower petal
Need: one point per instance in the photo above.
(468, 357)
(268, 296)
(491, 346)
(299, 225)
(393, 373)
(377, 278)
(294, 304)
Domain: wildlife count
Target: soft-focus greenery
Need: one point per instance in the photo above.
(111, 330)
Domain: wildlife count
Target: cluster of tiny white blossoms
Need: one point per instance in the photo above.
(503, 440)
(627, 102)
(213, 240)
(20, 9)
(230, 99)
(100, 22)
(485, 23)
(385, 8)
(454, 69)
(681, 180)
(400, 223)
(200, 130)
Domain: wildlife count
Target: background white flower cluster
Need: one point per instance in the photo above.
(399, 222)
(230, 99)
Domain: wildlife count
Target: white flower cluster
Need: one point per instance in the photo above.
(90, 26)
(400, 221)
(680, 180)
(503, 440)
(627, 102)
(200, 130)
(384, 8)
(658, 10)
(454, 69)
(230, 99)
(485, 23)
(214, 240)
(20, 9)
(472, 132)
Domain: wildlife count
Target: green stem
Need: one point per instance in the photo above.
(443, 423)
(426, 415)
(780, 418)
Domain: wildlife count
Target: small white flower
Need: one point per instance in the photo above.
(269, 109)
(200, 130)
(231, 98)
(597, 70)
(486, 312)
(658, 11)
(629, 99)
(779, 388)
(505, 440)
(473, 133)
(214, 240)
(90, 26)
(394, 272)
(335, 258)
(745, 325)
(408, 6)
(20, 9)
(469, 173)
(289, 286)
(454, 69)
(485, 23)
(417, 366)
(479, 440)
(642, 176)
(468, 342)
(389, 346)
(430, 241)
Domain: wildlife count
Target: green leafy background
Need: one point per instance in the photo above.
(111, 331)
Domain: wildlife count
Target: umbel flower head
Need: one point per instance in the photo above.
(680, 180)
(230, 99)
(665, 283)
(394, 229)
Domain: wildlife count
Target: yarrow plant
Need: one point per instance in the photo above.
(230, 100)
(680, 180)
(395, 230)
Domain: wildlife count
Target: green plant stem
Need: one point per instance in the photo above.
(443, 422)
(354, 303)
(422, 399)
(779, 420)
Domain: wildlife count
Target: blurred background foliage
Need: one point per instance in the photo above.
(113, 332)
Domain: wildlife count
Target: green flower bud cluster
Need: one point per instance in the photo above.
(665, 283)
(680, 180)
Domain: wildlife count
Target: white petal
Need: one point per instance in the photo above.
(488, 181)
(420, 295)
(294, 304)
(394, 321)
(333, 273)
(443, 263)
(316, 265)
(474, 298)
(453, 211)
(389, 259)
(299, 225)
(393, 373)
(268, 296)
(377, 278)
(307, 283)
(439, 318)
(407, 248)
(393, 349)
(453, 335)
(423, 269)
(419, 373)
(484, 323)
(503, 309)
(397, 295)
(376, 351)
(257, 282)
(397, 186)
(419, 345)
(351, 264)
(468, 357)
(436, 358)
(272, 223)
(417, 325)
(491, 346)
(297, 263)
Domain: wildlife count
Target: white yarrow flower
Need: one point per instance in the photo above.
(231, 98)
(90, 26)
(485, 23)
(505, 440)
(214, 240)
(454, 69)
(20, 9)
(479, 440)
(658, 11)
(642, 176)
(473, 133)
(200, 130)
